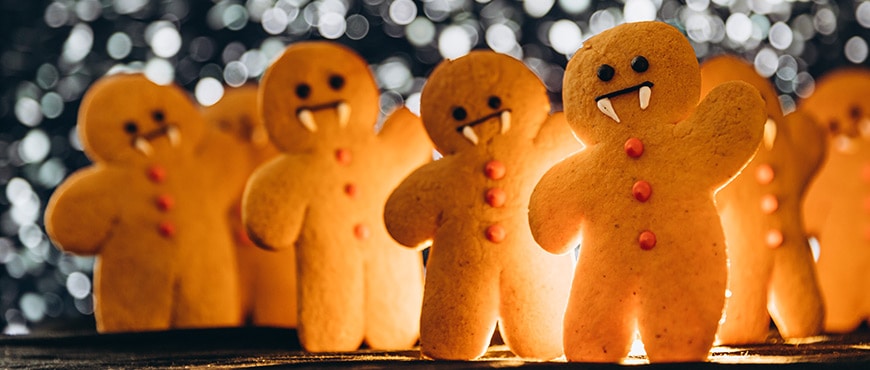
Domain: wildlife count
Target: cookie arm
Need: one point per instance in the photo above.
(81, 214)
(811, 140)
(273, 205)
(723, 133)
(555, 214)
(556, 137)
(413, 213)
(404, 131)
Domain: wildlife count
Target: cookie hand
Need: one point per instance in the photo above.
(555, 137)
(413, 211)
(724, 132)
(272, 210)
(554, 218)
(79, 218)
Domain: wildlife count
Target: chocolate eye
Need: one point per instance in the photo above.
(494, 102)
(605, 72)
(158, 115)
(639, 64)
(833, 126)
(459, 114)
(336, 82)
(303, 91)
(855, 112)
(131, 128)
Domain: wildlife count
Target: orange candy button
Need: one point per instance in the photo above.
(494, 170)
(634, 147)
(496, 197)
(342, 156)
(773, 238)
(156, 173)
(764, 174)
(769, 204)
(361, 232)
(647, 240)
(495, 233)
(641, 190)
(167, 229)
(165, 202)
(351, 190)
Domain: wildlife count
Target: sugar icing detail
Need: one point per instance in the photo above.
(634, 147)
(646, 240)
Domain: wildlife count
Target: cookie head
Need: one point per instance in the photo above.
(315, 91)
(840, 103)
(630, 76)
(723, 68)
(236, 115)
(127, 118)
(481, 98)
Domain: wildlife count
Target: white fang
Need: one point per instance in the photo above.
(505, 121)
(142, 145)
(769, 133)
(644, 94)
(307, 120)
(174, 135)
(469, 134)
(606, 107)
(343, 110)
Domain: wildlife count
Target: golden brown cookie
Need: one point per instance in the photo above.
(640, 195)
(267, 278)
(489, 116)
(324, 197)
(150, 209)
(837, 206)
(771, 268)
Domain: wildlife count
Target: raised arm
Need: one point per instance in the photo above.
(723, 133)
(82, 212)
(555, 214)
(404, 132)
(556, 137)
(274, 204)
(414, 210)
(810, 141)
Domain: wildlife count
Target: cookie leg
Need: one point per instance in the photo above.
(746, 317)
(678, 320)
(331, 288)
(394, 294)
(533, 300)
(599, 320)
(460, 308)
(275, 289)
(118, 308)
(795, 299)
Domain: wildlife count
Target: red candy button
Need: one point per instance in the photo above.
(769, 204)
(496, 197)
(342, 156)
(167, 229)
(634, 147)
(647, 240)
(764, 174)
(495, 233)
(494, 169)
(165, 202)
(351, 190)
(641, 190)
(361, 232)
(773, 238)
(156, 173)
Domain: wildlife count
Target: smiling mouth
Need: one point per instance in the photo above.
(142, 142)
(467, 131)
(644, 90)
(305, 114)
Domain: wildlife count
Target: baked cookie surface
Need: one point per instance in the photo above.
(640, 196)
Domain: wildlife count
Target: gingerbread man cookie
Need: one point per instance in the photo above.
(640, 196)
(771, 268)
(324, 197)
(837, 206)
(267, 278)
(488, 115)
(149, 209)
